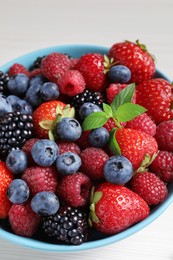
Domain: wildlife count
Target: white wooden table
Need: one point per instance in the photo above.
(29, 25)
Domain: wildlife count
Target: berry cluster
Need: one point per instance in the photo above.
(86, 143)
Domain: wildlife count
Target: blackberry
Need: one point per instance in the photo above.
(87, 96)
(15, 130)
(37, 63)
(4, 78)
(68, 225)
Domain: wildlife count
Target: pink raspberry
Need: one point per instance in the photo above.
(54, 65)
(163, 166)
(74, 189)
(27, 149)
(93, 160)
(17, 68)
(110, 124)
(143, 123)
(164, 135)
(35, 72)
(72, 83)
(41, 179)
(23, 221)
(83, 141)
(69, 147)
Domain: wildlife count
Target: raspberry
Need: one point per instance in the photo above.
(41, 179)
(113, 90)
(71, 83)
(83, 141)
(27, 149)
(18, 68)
(74, 189)
(110, 124)
(68, 147)
(54, 65)
(143, 123)
(93, 160)
(163, 166)
(149, 187)
(164, 135)
(35, 72)
(24, 222)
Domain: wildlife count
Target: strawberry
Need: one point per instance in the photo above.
(149, 187)
(45, 113)
(156, 96)
(54, 65)
(6, 178)
(18, 68)
(135, 144)
(23, 221)
(115, 208)
(91, 66)
(136, 57)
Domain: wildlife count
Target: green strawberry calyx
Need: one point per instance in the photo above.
(146, 163)
(94, 198)
(144, 48)
(108, 63)
(61, 113)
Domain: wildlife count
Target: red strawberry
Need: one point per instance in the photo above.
(156, 96)
(24, 221)
(46, 112)
(6, 178)
(75, 189)
(135, 144)
(136, 57)
(149, 187)
(162, 166)
(72, 83)
(41, 179)
(68, 147)
(93, 160)
(164, 135)
(115, 208)
(54, 65)
(91, 65)
(18, 68)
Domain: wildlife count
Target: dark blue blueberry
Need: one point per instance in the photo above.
(45, 203)
(49, 91)
(87, 108)
(23, 107)
(18, 191)
(68, 163)
(99, 137)
(45, 152)
(5, 106)
(118, 169)
(37, 80)
(119, 74)
(12, 99)
(17, 161)
(18, 84)
(69, 129)
(33, 95)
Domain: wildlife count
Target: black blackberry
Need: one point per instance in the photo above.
(4, 78)
(15, 130)
(87, 96)
(69, 225)
(37, 63)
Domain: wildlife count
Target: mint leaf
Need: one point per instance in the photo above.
(113, 145)
(95, 120)
(128, 111)
(124, 96)
(107, 109)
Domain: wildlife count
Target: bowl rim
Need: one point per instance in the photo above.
(39, 245)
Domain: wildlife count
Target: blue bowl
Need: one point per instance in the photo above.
(97, 240)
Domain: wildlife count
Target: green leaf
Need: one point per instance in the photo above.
(128, 111)
(124, 96)
(97, 196)
(94, 120)
(113, 145)
(107, 109)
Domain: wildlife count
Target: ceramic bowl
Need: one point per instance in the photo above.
(97, 240)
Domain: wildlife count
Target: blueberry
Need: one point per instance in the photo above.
(12, 99)
(23, 107)
(119, 74)
(88, 108)
(44, 152)
(49, 91)
(5, 106)
(17, 161)
(45, 203)
(18, 191)
(118, 169)
(18, 84)
(37, 80)
(69, 129)
(33, 95)
(68, 163)
(99, 137)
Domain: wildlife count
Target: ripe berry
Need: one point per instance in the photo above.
(119, 74)
(18, 191)
(87, 108)
(99, 137)
(68, 163)
(164, 135)
(17, 68)
(17, 161)
(5, 106)
(49, 91)
(18, 84)
(69, 129)
(68, 147)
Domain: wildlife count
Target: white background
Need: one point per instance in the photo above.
(33, 24)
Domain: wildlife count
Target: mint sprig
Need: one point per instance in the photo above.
(95, 120)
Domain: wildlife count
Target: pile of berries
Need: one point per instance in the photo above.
(86, 143)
